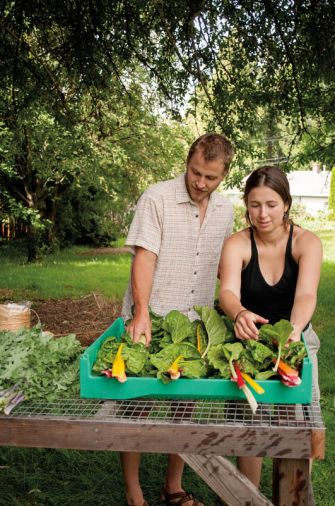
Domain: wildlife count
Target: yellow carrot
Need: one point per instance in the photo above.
(253, 383)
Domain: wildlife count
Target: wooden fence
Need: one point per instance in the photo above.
(12, 230)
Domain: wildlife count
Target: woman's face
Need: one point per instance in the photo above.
(266, 208)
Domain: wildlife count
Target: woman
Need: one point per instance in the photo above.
(271, 271)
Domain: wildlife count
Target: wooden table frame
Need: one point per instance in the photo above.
(291, 442)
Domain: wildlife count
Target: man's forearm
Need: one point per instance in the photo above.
(143, 269)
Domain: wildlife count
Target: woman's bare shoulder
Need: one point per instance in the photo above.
(239, 239)
(305, 239)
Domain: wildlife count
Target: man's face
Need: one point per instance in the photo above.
(203, 177)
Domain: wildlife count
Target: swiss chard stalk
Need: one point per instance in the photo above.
(9, 398)
(278, 333)
(258, 389)
(288, 375)
(15, 401)
(242, 385)
(232, 352)
(119, 367)
(175, 370)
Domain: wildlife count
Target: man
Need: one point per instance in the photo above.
(177, 236)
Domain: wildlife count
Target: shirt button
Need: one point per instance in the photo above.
(197, 216)
(195, 272)
(198, 254)
(189, 309)
(192, 291)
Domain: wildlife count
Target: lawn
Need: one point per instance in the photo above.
(45, 477)
(70, 274)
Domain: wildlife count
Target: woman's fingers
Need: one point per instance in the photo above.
(245, 326)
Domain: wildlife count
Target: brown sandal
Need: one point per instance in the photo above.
(144, 504)
(172, 499)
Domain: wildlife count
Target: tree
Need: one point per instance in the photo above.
(243, 54)
(257, 66)
(80, 180)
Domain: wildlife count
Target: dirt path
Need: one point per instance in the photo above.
(87, 317)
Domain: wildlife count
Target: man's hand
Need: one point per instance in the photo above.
(140, 326)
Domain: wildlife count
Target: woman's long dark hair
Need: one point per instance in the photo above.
(272, 177)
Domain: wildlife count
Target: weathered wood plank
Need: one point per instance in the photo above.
(291, 483)
(226, 481)
(318, 444)
(96, 434)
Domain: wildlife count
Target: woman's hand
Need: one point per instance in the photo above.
(245, 324)
(295, 335)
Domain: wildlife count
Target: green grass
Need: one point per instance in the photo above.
(70, 274)
(66, 478)
(326, 231)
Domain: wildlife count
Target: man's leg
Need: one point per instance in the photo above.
(251, 467)
(131, 474)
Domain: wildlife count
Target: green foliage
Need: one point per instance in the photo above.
(174, 349)
(77, 183)
(240, 221)
(39, 365)
(85, 90)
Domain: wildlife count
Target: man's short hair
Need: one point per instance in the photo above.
(214, 147)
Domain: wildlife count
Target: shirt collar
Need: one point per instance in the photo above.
(183, 196)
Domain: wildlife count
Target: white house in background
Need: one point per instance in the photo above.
(309, 188)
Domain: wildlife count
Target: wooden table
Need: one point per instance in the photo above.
(201, 432)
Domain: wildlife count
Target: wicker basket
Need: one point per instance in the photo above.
(14, 316)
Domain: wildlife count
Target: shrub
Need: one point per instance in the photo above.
(239, 218)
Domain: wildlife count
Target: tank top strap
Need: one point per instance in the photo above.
(289, 242)
(254, 251)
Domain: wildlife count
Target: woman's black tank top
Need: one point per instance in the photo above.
(270, 301)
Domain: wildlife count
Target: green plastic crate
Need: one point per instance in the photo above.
(101, 387)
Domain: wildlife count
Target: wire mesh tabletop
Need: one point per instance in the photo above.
(159, 411)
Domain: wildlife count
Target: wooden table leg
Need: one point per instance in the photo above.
(291, 483)
(226, 481)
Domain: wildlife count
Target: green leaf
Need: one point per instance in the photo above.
(258, 351)
(41, 365)
(135, 357)
(217, 358)
(279, 333)
(178, 325)
(164, 359)
(193, 368)
(216, 329)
